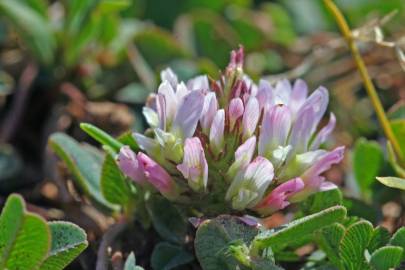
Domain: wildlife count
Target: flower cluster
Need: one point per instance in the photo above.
(233, 143)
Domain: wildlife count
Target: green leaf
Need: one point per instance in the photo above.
(398, 127)
(110, 6)
(34, 29)
(359, 208)
(394, 182)
(167, 256)
(158, 46)
(264, 264)
(354, 243)
(398, 239)
(321, 200)
(367, 161)
(329, 240)
(380, 238)
(84, 166)
(68, 241)
(135, 93)
(130, 263)
(24, 237)
(392, 158)
(386, 258)
(114, 185)
(300, 228)
(213, 238)
(101, 136)
(170, 223)
(128, 139)
(283, 32)
(40, 6)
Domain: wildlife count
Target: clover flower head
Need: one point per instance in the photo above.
(231, 144)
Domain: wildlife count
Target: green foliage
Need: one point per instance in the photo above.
(114, 187)
(28, 242)
(360, 246)
(167, 220)
(67, 242)
(213, 238)
(398, 239)
(299, 228)
(101, 136)
(24, 237)
(128, 139)
(353, 244)
(34, 29)
(379, 238)
(367, 161)
(321, 200)
(386, 258)
(157, 46)
(398, 127)
(329, 239)
(84, 166)
(394, 182)
(167, 256)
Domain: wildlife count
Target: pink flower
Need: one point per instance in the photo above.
(194, 167)
(279, 197)
(128, 162)
(158, 177)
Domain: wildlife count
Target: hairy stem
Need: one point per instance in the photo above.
(371, 91)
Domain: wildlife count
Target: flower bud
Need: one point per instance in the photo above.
(129, 165)
(158, 177)
(235, 111)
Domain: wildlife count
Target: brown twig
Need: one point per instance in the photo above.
(110, 235)
(13, 117)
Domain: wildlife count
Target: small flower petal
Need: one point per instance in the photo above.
(275, 128)
(194, 167)
(265, 94)
(235, 111)
(243, 156)
(151, 116)
(298, 95)
(167, 91)
(158, 177)
(188, 114)
(249, 186)
(324, 133)
(282, 92)
(208, 112)
(130, 166)
(169, 76)
(279, 197)
(198, 83)
(250, 117)
(217, 132)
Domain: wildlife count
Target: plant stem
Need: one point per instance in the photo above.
(371, 91)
